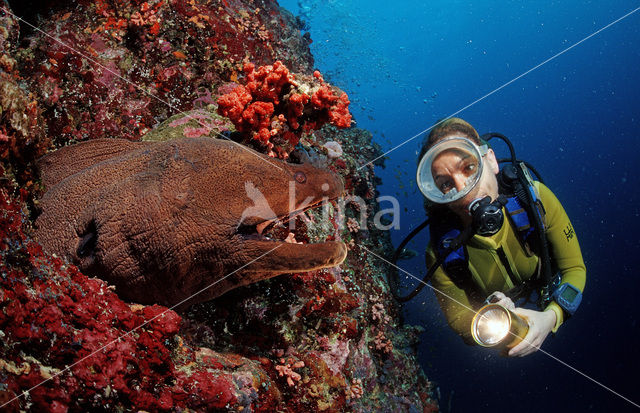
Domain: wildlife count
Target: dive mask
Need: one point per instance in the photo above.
(465, 154)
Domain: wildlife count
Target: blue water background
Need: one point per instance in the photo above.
(576, 118)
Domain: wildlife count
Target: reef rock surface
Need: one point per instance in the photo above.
(327, 340)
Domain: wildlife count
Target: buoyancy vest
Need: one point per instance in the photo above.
(446, 235)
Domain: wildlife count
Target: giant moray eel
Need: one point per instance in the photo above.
(164, 220)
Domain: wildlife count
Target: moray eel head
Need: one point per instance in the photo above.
(270, 215)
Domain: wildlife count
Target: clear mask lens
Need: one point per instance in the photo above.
(450, 161)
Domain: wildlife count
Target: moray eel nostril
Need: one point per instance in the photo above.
(300, 177)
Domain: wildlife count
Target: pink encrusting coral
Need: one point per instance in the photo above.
(203, 124)
(275, 109)
(334, 150)
(285, 369)
(355, 389)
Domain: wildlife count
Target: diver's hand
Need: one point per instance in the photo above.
(540, 325)
(498, 297)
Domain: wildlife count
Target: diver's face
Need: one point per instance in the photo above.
(453, 168)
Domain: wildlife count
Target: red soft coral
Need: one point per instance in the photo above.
(274, 108)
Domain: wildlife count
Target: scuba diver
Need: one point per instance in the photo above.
(496, 236)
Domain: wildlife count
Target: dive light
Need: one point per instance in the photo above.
(496, 326)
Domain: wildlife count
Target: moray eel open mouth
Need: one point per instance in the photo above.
(282, 252)
(280, 228)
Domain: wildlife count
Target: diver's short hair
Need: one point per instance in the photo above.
(448, 127)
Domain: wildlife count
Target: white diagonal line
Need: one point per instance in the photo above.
(143, 90)
(472, 310)
(26, 392)
(501, 87)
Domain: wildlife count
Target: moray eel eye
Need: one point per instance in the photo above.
(300, 177)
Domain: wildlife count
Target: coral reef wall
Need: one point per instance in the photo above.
(328, 340)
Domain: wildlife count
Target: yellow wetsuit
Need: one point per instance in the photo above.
(490, 274)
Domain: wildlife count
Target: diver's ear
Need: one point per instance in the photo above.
(492, 162)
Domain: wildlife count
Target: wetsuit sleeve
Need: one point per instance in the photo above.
(453, 301)
(565, 249)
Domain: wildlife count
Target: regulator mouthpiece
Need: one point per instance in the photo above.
(487, 216)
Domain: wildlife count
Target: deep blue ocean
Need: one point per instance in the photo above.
(576, 118)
